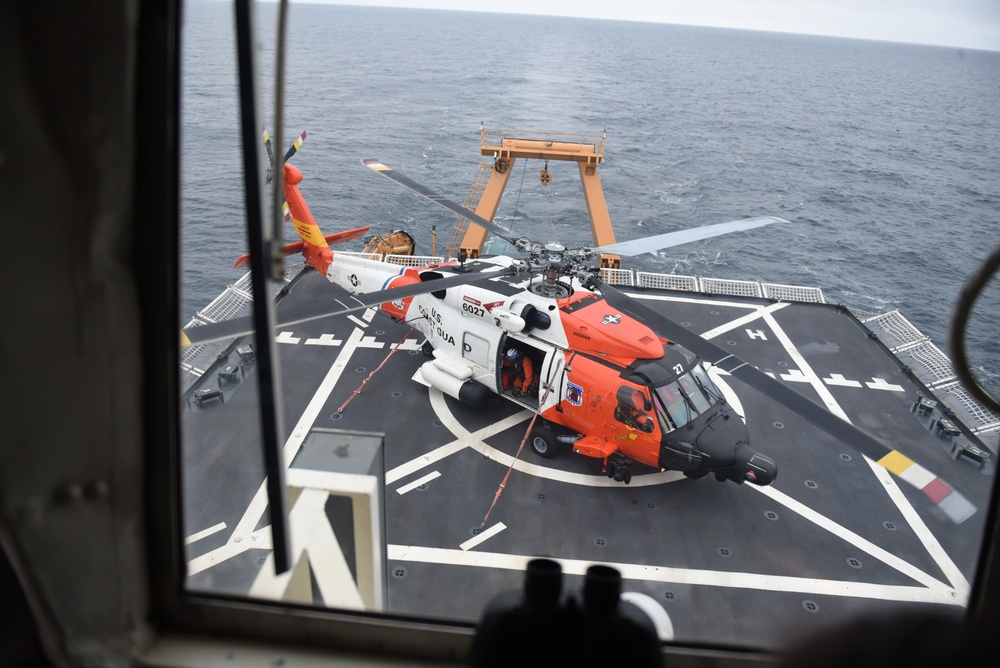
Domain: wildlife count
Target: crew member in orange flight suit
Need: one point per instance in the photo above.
(524, 372)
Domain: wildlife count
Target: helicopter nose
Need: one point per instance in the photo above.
(759, 469)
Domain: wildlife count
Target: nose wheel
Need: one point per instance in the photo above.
(619, 468)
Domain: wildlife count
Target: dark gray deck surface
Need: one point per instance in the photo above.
(731, 565)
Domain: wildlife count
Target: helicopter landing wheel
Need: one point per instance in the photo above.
(543, 442)
(623, 473)
(619, 468)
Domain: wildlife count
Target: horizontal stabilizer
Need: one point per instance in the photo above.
(291, 249)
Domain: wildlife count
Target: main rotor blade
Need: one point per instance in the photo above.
(307, 312)
(670, 239)
(949, 500)
(427, 193)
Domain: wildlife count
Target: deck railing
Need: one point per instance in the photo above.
(899, 335)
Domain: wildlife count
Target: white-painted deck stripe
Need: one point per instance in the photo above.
(483, 536)
(244, 537)
(929, 541)
(642, 572)
(418, 482)
(204, 533)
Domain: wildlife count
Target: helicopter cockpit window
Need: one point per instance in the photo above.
(634, 408)
(706, 384)
(695, 393)
(686, 398)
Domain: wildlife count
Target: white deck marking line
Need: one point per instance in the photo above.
(465, 440)
(839, 380)
(923, 533)
(795, 376)
(646, 573)
(370, 342)
(883, 384)
(483, 536)
(477, 442)
(237, 545)
(244, 537)
(357, 321)
(204, 533)
(324, 340)
(418, 482)
(410, 344)
(321, 395)
(759, 313)
(848, 536)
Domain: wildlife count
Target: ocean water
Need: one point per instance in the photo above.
(884, 156)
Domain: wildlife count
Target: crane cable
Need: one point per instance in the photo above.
(518, 200)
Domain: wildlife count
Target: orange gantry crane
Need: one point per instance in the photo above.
(505, 147)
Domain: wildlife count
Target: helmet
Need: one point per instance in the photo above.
(512, 355)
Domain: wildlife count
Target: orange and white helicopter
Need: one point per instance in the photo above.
(611, 378)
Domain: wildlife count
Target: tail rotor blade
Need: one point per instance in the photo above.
(267, 145)
(296, 145)
(270, 155)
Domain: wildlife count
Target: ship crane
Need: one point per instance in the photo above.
(505, 147)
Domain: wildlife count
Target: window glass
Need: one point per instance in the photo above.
(674, 404)
(405, 500)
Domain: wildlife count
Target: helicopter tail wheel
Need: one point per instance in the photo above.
(543, 442)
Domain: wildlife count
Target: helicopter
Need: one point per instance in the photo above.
(611, 378)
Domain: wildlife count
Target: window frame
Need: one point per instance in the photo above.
(175, 612)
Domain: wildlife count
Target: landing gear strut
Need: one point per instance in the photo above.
(619, 468)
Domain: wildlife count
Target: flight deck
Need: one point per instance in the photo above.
(465, 503)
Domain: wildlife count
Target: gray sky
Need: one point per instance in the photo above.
(973, 24)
